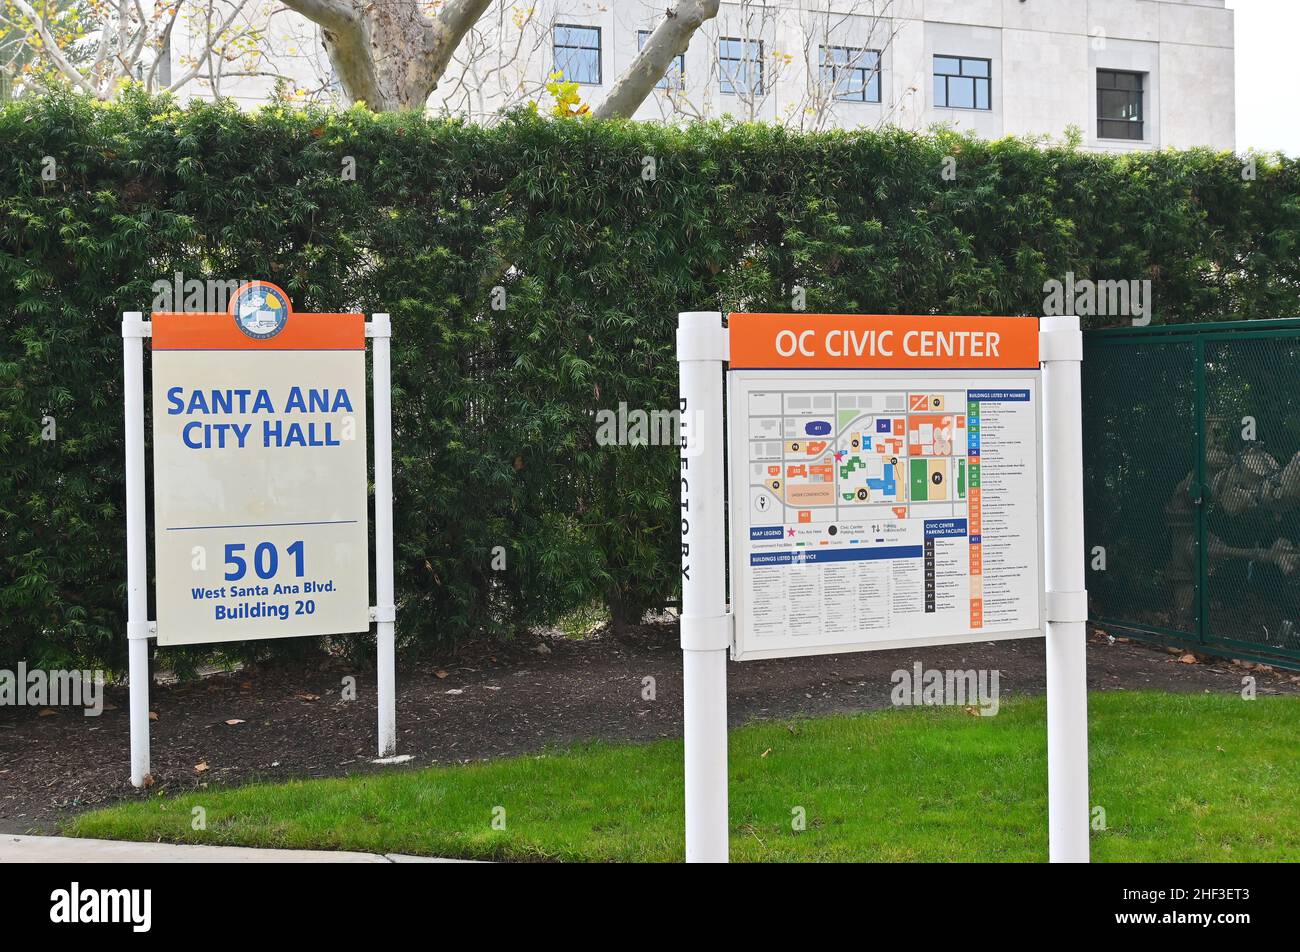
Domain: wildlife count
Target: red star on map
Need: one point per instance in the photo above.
(790, 532)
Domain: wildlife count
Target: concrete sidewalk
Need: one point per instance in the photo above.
(64, 849)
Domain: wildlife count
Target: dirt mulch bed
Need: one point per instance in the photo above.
(489, 701)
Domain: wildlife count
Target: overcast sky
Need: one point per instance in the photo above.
(1268, 81)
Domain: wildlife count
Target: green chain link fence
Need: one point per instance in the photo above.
(1192, 485)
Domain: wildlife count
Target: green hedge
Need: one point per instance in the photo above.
(494, 434)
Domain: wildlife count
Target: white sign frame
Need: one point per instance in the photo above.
(703, 348)
(140, 628)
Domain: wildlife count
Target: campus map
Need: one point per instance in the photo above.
(883, 511)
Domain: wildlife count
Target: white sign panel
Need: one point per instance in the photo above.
(260, 497)
(877, 508)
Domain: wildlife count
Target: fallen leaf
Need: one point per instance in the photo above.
(148, 780)
(765, 753)
(304, 696)
(440, 673)
(233, 721)
(456, 691)
(47, 712)
(1188, 658)
(153, 715)
(201, 767)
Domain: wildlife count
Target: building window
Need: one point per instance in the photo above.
(741, 66)
(577, 53)
(672, 78)
(853, 74)
(1119, 105)
(963, 82)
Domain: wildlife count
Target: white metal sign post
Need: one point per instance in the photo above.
(705, 624)
(886, 487)
(1061, 348)
(259, 483)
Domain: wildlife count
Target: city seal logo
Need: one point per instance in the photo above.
(260, 310)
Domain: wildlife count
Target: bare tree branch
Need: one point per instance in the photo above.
(162, 47)
(122, 40)
(207, 46)
(668, 41)
(61, 62)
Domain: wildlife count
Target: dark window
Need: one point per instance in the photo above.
(577, 53)
(672, 78)
(963, 82)
(1119, 105)
(741, 63)
(853, 74)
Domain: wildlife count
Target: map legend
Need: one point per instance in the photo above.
(973, 513)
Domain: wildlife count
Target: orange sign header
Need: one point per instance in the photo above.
(882, 342)
(260, 317)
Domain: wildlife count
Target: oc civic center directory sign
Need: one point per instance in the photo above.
(885, 481)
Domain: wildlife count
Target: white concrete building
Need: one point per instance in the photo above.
(1127, 74)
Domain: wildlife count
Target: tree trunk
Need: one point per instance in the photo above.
(390, 55)
(668, 41)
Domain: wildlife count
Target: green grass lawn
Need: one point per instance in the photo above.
(1181, 777)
